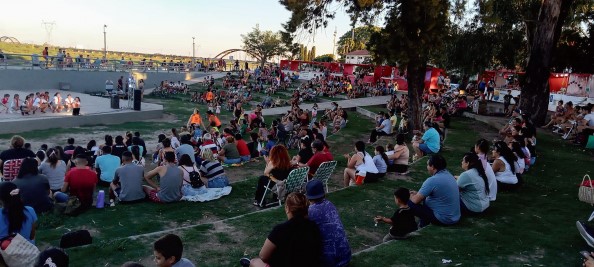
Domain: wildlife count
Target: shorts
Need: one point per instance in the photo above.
(154, 197)
(218, 182)
(425, 149)
(490, 89)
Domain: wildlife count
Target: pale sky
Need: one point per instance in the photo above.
(154, 26)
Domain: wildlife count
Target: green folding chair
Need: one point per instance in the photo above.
(324, 172)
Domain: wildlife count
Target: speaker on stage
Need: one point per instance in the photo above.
(137, 96)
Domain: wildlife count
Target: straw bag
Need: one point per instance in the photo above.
(586, 191)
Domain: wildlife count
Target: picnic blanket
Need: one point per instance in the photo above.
(204, 194)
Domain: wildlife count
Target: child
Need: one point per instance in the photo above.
(218, 109)
(211, 107)
(168, 252)
(403, 220)
(5, 102)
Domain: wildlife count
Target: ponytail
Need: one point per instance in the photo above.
(14, 209)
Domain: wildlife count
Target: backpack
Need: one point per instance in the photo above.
(76, 239)
(195, 180)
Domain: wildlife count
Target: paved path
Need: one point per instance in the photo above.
(351, 103)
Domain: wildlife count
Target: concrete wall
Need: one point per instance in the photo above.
(80, 81)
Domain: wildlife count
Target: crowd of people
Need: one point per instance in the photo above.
(42, 102)
(195, 156)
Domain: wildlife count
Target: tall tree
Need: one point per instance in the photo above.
(262, 45)
(324, 58)
(535, 93)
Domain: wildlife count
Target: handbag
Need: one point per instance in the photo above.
(586, 192)
(20, 252)
(75, 239)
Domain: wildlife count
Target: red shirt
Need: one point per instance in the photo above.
(242, 148)
(81, 183)
(317, 160)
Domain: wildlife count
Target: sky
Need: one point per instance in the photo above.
(154, 26)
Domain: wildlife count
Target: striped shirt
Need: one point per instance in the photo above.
(211, 169)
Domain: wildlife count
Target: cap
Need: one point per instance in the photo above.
(314, 189)
(207, 136)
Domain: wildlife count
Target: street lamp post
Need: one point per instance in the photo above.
(104, 41)
(193, 52)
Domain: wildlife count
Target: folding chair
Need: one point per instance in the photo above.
(293, 183)
(571, 129)
(324, 172)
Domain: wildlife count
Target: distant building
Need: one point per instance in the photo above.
(357, 57)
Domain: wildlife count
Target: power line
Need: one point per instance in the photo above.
(49, 28)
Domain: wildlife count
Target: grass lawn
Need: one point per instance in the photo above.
(534, 226)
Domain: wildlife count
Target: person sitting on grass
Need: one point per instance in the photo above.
(429, 143)
(335, 245)
(320, 156)
(403, 221)
(296, 242)
(473, 184)
(399, 156)
(229, 153)
(504, 167)
(305, 152)
(80, 182)
(359, 164)
(481, 148)
(106, 165)
(242, 148)
(212, 170)
(384, 128)
(438, 200)
(381, 163)
(169, 188)
(168, 252)
(278, 167)
(15, 217)
(270, 142)
(127, 182)
(34, 187)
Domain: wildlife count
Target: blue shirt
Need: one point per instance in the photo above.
(335, 245)
(431, 139)
(30, 219)
(442, 197)
(107, 164)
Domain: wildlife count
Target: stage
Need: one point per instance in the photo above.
(95, 110)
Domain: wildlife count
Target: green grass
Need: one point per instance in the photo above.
(534, 226)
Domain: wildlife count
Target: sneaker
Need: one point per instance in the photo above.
(245, 262)
(586, 232)
(111, 203)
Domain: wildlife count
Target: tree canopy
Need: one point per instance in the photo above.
(263, 44)
(346, 44)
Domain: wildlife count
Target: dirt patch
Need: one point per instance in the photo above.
(395, 177)
(369, 235)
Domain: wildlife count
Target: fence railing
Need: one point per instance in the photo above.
(55, 62)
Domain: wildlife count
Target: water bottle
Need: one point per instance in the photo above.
(101, 199)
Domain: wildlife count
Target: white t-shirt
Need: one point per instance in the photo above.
(590, 119)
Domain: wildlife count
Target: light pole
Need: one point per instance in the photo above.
(104, 41)
(193, 52)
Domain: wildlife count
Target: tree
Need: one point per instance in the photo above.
(346, 44)
(542, 42)
(414, 29)
(324, 58)
(262, 45)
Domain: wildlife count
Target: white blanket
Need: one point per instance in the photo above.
(204, 194)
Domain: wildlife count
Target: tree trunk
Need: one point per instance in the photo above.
(262, 62)
(535, 93)
(416, 69)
